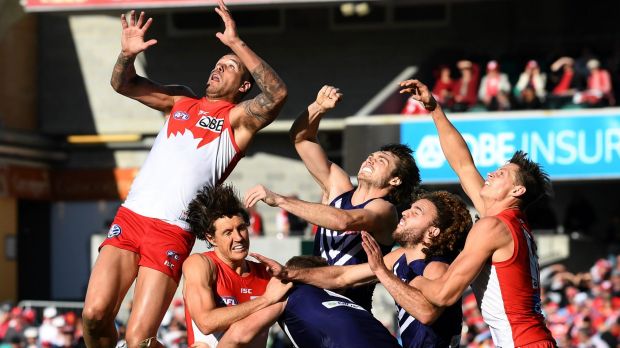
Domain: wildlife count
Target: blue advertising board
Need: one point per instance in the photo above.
(569, 146)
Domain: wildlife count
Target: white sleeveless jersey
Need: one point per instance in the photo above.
(196, 147)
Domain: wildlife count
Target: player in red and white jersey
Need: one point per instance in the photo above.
(499, 259)
(221, 286)
(200, 143)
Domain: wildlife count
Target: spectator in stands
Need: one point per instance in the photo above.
(464, 89)
(530, 90)
(599, 91)
(494, 90)
(442, 91)
(567, 82)
(31, 334)
(256, 222)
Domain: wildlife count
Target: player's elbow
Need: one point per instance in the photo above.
(445, 299)
(120, 87)
(428, 317)
(208, 327)
(116, 85)
(281, 94)
(239, 336)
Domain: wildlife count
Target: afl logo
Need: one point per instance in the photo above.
(114, 231)
(181, 115)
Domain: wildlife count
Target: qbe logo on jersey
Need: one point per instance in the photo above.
(211, 123)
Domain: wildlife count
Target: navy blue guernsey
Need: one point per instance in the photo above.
(445, 331)
(318, 318)
(341, 248)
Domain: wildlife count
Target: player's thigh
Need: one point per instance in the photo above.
(152, 296)
(111, 277)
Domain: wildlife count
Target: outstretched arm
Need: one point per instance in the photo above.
(330, 177)
(376, 217)
(124, 78)
(486, 237)
(252, 115)
(408, 297)
(328, 277)
(199, 295)
(452, 143)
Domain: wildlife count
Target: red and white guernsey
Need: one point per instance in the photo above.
(195, 147)
(508, 292)
(230, 290)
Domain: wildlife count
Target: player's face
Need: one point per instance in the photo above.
(499, 183)
(231, 238)
(225, 78)
(416, 223)
(377, 169)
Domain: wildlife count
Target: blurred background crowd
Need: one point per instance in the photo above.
(565, 83)
(582, 310)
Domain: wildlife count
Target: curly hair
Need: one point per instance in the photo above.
(210, 204)
(454, 222)
(533, 177)
(408, 172)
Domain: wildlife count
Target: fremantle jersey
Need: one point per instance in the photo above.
(444, 332)
(318, 318)
(508, 292)
(341, 248)
(230, 290)
(195, 147)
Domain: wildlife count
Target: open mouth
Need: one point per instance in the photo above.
(366, 169)
(239, 248)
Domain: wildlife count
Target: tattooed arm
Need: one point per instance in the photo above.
(252, 115)
(124, 78)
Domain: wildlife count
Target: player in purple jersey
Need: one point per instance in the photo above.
(386, 180)
(431, 233)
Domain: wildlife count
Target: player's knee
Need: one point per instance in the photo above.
(95, 316)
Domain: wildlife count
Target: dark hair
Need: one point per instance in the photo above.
(306, 261)
(407, 171)
(454, 222)
(533, 177)
(210, 204)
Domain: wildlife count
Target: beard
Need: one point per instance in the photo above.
(407, 238)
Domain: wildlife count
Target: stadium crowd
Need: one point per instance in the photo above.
(582, 310)
(566, 83)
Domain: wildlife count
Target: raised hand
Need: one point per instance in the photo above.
(132, 37)
(375, 257)
(419, 92)
(229, 36)
(328, 97)
(276, 289)
(273, 267)
(259, 193)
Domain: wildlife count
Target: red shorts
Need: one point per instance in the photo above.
(541, 344)
(161, 246)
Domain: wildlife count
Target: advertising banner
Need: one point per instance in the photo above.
(83, 5)
(570, 146)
